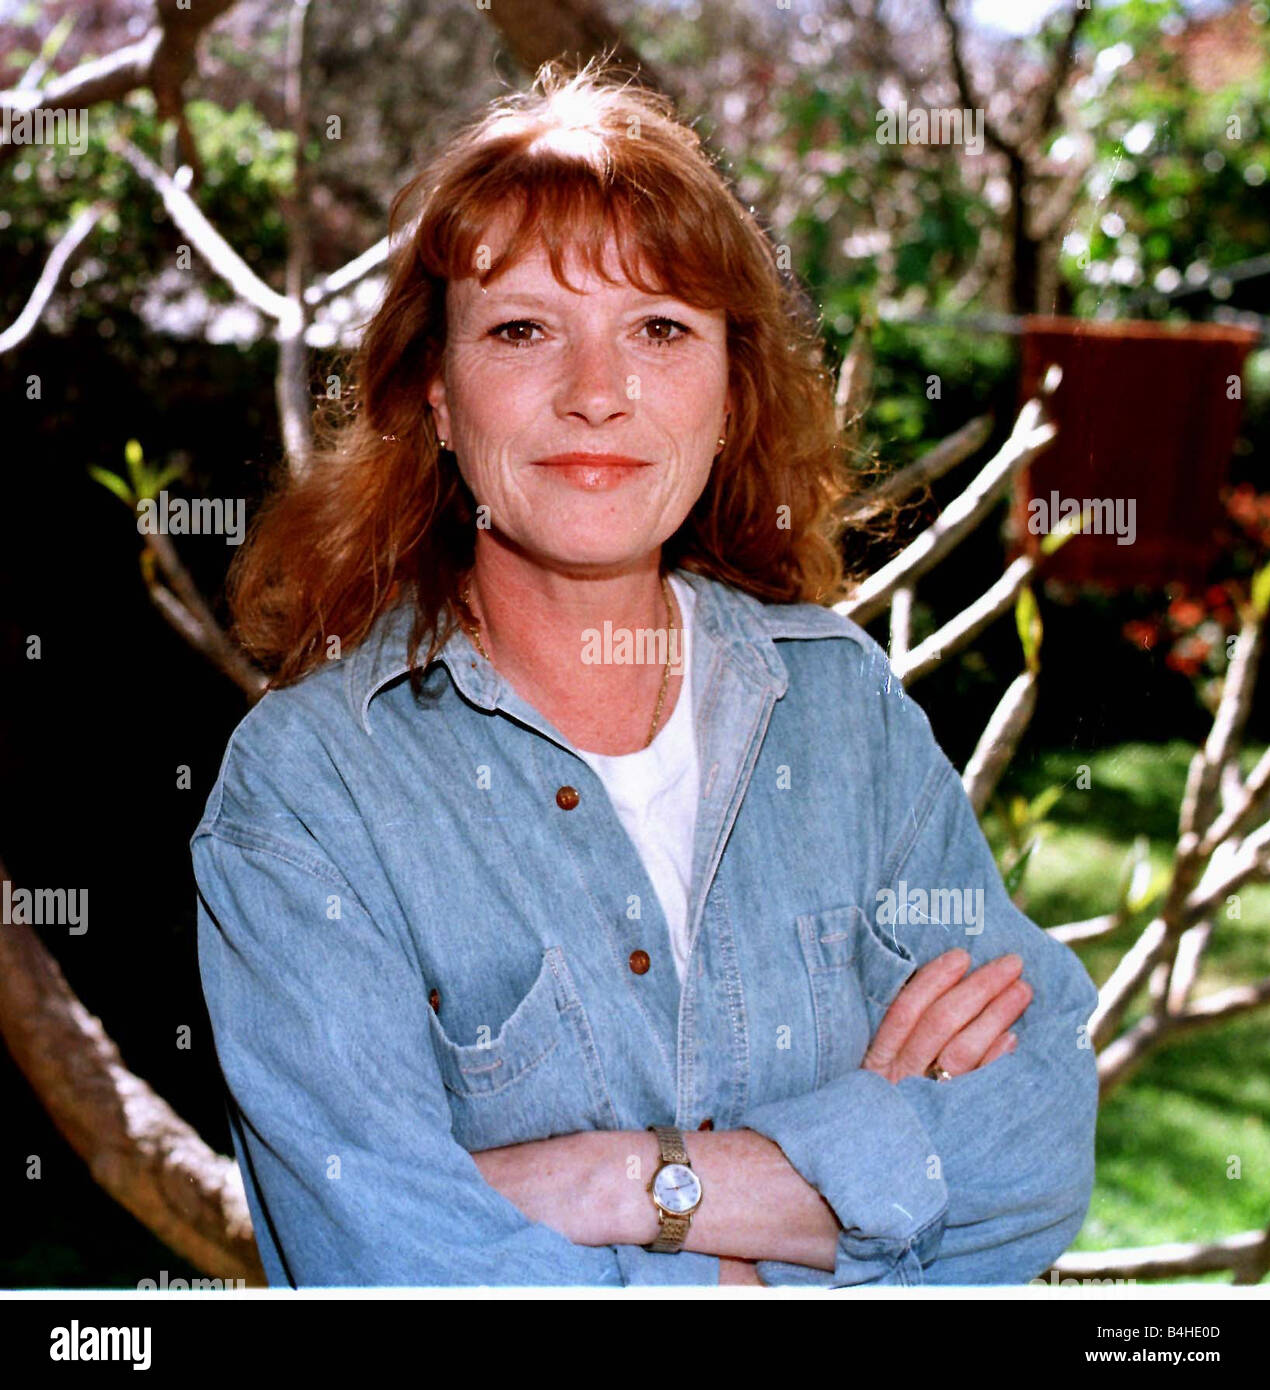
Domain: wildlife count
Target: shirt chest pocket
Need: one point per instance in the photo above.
(854, 976)
(537, 1075)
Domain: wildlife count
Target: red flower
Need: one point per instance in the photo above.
(1186, 612)
(1142, 632)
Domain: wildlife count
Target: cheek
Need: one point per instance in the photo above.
(692, 394)
(489, 397)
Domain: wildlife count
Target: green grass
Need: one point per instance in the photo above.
(1170, 1136)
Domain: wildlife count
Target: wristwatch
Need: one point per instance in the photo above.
(675, 1189)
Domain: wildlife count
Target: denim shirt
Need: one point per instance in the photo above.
(415, 946)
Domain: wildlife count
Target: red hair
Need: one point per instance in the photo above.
(380, 507)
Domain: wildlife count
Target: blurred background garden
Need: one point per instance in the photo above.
(1123, 177)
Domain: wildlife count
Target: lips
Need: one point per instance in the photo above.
(593, 461)
(592, 472)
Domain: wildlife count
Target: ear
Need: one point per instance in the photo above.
(437, 400)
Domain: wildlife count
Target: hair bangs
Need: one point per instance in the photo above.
(571, 207)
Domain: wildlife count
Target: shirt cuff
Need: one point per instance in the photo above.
(862, 1146)
(640, 1266)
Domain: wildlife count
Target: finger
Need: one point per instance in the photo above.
(1006, 1043)
(908, 1006)
(950, 1013)
(966, 1051)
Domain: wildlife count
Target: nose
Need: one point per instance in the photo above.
(593, 385)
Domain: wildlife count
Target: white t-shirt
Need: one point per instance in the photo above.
(654, 792)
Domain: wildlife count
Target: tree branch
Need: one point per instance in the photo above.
(1249, 1248)
(957, 632)
(59, 258)
(1089, 930)
(957, 520)
(295, 401)
(1000, 740)
(162, 60)
(1123, 1056)
(208, 242)
(136, 1146)
(1047, 110)
(933, 464)
(968, 99)
(569, 29)
(188, 613)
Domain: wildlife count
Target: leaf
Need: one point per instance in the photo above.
(1136, 887)
(58, 35)
(115, 484)
(169, 475)
(1045, 801)
(153, 483)
(1027, 617)
(1019, 868)
(1261, 591)
(134, 459)
(1067, 528)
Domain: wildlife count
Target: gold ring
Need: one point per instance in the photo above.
(937, 1073)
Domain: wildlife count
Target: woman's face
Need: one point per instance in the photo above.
(533, 370)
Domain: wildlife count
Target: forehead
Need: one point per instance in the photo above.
(599, 258)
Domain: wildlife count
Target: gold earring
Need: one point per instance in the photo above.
(442, 443)
(722, 441)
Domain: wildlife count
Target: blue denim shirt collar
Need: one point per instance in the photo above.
(723, 616)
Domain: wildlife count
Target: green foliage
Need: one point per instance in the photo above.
(247, 166)
(1180, 184)
(1023, 823)
(142, 482)
(1027, 618)
(1261, 591)
(1165, 1138)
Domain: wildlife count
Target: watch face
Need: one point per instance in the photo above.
(676, 1189)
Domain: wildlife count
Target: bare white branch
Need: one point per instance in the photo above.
(59, 258)
(957, 520)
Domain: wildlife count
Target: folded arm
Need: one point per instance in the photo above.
(340, 1109)
(984, 1178)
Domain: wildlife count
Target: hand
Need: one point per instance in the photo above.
(738, 1272)
(962, 1026)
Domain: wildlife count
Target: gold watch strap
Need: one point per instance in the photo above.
(671, 1236)
(670, 1141)
(672, 1230)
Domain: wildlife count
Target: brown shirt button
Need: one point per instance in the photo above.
(640, 962)
(567, 798)
(706, 1124)
(434, 998)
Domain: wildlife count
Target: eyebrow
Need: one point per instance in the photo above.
(513, 297)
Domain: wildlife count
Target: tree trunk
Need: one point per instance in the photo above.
(135, 1145)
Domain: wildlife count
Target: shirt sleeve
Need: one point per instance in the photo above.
(986, 1178)
(340, 1114)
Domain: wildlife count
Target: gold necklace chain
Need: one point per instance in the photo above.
(472, 628)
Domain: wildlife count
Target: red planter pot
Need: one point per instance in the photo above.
(1147, 415)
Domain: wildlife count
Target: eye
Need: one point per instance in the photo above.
(664, 323)
(515, 325)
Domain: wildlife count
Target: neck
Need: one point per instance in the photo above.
(537, 622)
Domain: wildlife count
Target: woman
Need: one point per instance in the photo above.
(557, 900)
